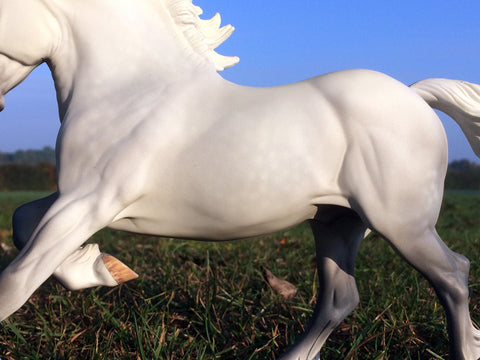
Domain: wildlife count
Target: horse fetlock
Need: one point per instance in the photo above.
(88, 267)
(473, 346)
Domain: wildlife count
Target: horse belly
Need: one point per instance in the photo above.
(263, 168)
(219, 198)
(205, 224)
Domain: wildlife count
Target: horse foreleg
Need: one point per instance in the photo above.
(85, 267)
(336, 243)
(68, 223)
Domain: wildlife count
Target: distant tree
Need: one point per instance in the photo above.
(28, 170)
(41, 176)
(463, 175)
(45, 155)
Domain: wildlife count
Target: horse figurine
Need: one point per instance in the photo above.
(154, 141)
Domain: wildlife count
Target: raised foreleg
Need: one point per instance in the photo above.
(68, 223)
(337, 239)
(85, 267)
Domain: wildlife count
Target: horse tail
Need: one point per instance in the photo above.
(458, 99)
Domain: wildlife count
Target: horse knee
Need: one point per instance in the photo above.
(463, 264)
(452, 283)
(352, 298)
(345, 296)
(453, 287)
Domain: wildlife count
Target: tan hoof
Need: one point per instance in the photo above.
(120, 272)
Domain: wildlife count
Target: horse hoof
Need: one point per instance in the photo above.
(120, 272)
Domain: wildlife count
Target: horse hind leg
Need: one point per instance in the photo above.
(447, 272)
(85, 267)
(406, 216)
(337, 239)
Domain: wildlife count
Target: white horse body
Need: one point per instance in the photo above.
(246, 190)
(276, 138)
(154, 141)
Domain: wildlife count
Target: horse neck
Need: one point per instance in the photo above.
(131, 51)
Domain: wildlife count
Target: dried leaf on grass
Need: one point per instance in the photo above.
(4, 233)
(281, 287)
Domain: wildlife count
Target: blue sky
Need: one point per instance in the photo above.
(285, 41)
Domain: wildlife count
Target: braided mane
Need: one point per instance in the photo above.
(203, 35)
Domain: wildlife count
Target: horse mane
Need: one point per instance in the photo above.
(204, 36)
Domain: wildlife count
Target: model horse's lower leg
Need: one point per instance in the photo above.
(447, 271)
(337, 242)
(85, 267)
(68, 223)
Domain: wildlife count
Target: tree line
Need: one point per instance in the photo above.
(463, 175)
(45, 155)
(28, 170)
(35, 170)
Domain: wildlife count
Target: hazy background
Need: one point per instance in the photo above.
(280, 42)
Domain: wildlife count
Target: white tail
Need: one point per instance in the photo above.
(458, 99)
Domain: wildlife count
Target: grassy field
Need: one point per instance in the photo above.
(198, 300)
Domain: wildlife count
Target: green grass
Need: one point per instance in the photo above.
(198, 300)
